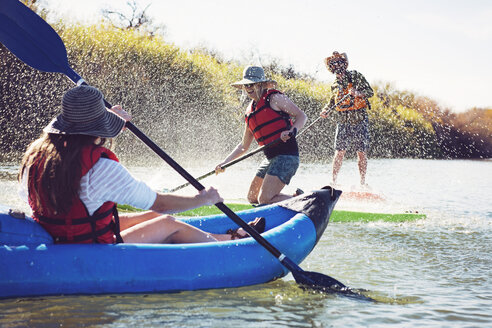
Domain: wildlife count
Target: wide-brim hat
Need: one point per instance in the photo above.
(84, 112)
(336, 57)
(252, 74)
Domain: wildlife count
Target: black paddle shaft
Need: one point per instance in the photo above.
(226, 165)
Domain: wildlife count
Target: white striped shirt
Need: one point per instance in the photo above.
(108, 180)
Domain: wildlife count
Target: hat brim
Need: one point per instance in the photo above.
(108, 125)
(239, 84)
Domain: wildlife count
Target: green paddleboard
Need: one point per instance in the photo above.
(336, 216)
(349, 216)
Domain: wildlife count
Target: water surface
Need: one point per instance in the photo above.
(428, 273)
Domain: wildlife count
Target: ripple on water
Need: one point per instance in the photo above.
(427, 273)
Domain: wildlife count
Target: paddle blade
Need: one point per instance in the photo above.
(32, 40)
(322, 283)
(318, 281)
(313, 280)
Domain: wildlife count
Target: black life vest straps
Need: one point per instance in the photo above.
(260, 126)
(267, 104)
(270, 135)
(85, 220)
(282, 116)
(114, 226)
(91, 235)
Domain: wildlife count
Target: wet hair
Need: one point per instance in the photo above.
(54, 160)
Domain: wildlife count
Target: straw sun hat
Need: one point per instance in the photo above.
(84, 112)
(336, 59)
(252, 74)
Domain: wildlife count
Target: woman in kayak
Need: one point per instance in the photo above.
(270, 116)
(72, 183)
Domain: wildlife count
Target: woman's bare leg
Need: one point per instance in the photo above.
(166, 229)
(151, 227)
(254, 190)
(270, 190)
(128, 220)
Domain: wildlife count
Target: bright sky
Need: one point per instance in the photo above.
(441, 49)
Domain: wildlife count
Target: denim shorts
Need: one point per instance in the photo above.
(282, 166)
(352, 136)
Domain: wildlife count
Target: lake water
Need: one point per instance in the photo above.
(434, 272)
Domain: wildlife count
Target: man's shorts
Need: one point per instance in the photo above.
(352, 136)
(282, 166)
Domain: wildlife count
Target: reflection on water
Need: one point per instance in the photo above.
(276, 304)
(426, 273)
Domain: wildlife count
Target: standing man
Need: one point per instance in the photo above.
(350, 92)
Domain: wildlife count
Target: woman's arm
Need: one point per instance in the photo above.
(169, 203)
(240, 149)
(281, 102)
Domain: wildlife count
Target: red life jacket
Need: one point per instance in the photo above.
(77, 226)
(265, 123)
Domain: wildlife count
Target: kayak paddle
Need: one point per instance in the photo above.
(37, 44)
(226, 165)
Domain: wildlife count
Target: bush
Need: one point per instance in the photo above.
(184, 102)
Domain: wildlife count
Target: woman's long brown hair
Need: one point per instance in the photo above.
(55, 161)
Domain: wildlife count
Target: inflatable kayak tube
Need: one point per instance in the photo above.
(31, 265)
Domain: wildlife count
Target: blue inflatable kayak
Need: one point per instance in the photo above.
(32, 265)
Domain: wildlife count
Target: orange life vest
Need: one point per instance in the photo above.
(265, 123)
(77, 226)
(351, 102)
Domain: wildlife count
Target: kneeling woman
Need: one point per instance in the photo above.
(72, 183)
(268, 118)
